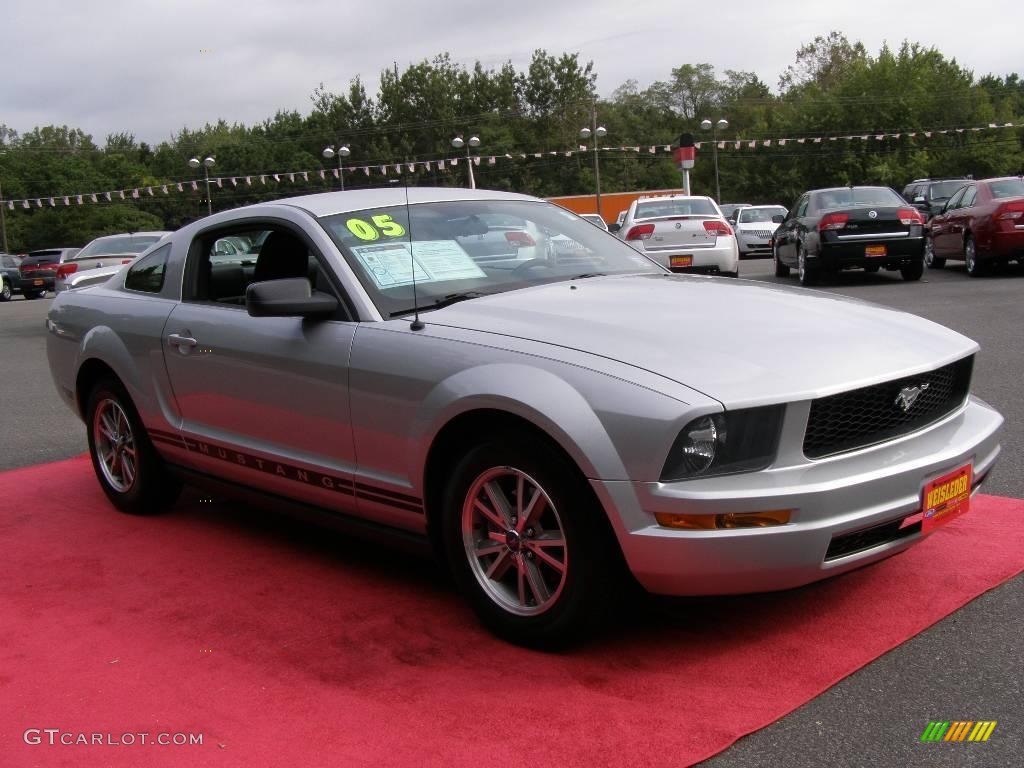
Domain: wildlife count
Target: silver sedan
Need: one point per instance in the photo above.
(541, 423)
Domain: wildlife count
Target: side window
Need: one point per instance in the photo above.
(224, 263)
(954, 201)
(147, 274)
(968, 199)
(801, 206)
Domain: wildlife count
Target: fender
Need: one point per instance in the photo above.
(539, 396)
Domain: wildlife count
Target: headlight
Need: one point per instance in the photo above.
(725, 443)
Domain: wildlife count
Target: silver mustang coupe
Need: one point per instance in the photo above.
(549, 419)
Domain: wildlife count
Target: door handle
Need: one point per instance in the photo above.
(183, 343)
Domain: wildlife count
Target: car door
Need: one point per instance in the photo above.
(262, 401)
(940, 227)
(959, 221)
(787, 234)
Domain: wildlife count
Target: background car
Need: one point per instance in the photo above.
(869, 228)
(38, 270)
(10, 279)
(682, 233)
(729, 209)
(930, 195)
(754, 226)
(595, 219)
(101, 252)
(983, 224)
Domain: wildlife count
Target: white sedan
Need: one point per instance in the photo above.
(755, 226)
(682, 233)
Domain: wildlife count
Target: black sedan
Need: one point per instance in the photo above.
(870, 228)
(10, 280)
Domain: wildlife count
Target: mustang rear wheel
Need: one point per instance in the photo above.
(527, 542)
(127, 466)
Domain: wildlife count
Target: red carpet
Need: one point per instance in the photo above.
(285, 646)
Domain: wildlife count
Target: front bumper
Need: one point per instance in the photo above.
(830, 498)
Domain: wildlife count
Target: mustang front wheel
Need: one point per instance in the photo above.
(527, 542)
(129, 469)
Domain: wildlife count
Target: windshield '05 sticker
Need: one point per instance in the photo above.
(391, 265)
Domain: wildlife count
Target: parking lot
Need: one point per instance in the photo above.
(977, 649)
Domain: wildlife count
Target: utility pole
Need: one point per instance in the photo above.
(597, 166)
(3, 221)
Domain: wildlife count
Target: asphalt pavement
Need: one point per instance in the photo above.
(968, 666)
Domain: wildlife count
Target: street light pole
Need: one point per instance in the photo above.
(459, 143)
(595, 132)
(342, 152)
(3, 221)
(207, 164)
(721, 124)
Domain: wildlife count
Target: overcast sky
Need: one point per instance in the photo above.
(151, 68)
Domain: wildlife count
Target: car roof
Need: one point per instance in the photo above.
(329, 203)
(130, 234)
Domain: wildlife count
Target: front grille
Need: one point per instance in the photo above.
(861, 417)
(764, 234)
(869, 538)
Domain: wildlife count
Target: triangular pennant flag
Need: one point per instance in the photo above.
(107, 195)
(865, 138)
(833, 138)
(539, 155)
(912, 134)
(583, 148)
(398, 169)
(721, 145)
(880, 137)
(782, 142)
(476, 160)
(135, 194)
(66, 201)
(321, 173)
(491, 160)
(752, 145)
(195, 186)
(799, 141)
(220, 183)
(263, 179)
(277, 177)
(305, 175)
(149, 191)
(335, 172)
(164, 189)
(927, 134)
(93, 196)
(383, 170)
(767, 143)
(121, 192)
(817, 140)
(78, 199)
(291, 177)
(10, 205)
(52, 204)
(248, 180)
(736, 146)
(180, 188)
(411, 167)
(652, 150)
(453, 161)
(24, 204)
(234, 181)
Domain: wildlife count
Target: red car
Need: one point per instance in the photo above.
(983, 223)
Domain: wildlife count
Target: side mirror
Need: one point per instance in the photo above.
(289, 297)
(614, 227)
(731, 220)
(778, 218)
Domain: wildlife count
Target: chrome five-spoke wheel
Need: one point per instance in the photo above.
(115, 445)
(514, 541)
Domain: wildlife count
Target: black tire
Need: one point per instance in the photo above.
(5, 290)
(568, 602)
(781, 270)
(912, 271)
(930, 259)
(32, 294)
(975, 266)
(807, 273)
(150, 489)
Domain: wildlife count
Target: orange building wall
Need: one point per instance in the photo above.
(611, 202)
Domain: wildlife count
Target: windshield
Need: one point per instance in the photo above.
(475, 247)
(837, 198)
(118, 245)
(694, 206)
(759, 215)
(943, 190)
(1007, 188)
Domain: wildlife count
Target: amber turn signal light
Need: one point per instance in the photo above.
(720, 522)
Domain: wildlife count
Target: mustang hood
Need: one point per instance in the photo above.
(743, 343)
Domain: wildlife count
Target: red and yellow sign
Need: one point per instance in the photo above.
(681, 261)
(946, 498)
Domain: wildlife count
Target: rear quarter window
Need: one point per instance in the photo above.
(147, 274)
